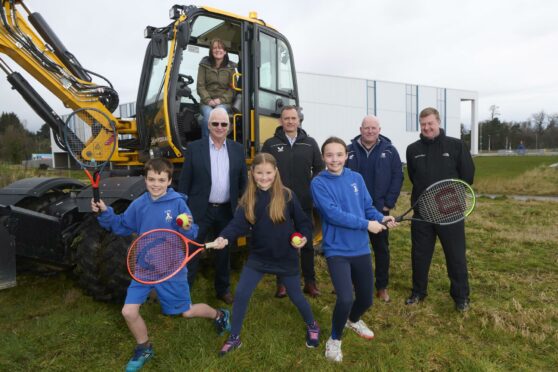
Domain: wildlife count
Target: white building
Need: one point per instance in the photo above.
(335, 106)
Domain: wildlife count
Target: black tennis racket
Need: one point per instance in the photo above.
(443, 203)
(90, 137)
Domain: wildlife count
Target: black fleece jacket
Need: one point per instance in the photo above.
(432, 160)
(297, 164)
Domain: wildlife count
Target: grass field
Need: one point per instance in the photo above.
(46, 323)
(10, 173)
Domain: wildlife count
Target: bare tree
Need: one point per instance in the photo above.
(494, 111)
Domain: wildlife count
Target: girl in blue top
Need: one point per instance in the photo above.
(341, 197)
(272, 213)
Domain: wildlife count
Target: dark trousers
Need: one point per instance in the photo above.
(216, 217)
(348, 274)
(307, 258)
(380, 246)
(452, 238)
(249, 279)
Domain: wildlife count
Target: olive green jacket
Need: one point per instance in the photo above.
(215, 82)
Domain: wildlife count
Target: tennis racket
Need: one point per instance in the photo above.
(158, 255)
(90, 138)
(443, 203)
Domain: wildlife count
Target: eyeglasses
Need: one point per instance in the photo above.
(216, 124)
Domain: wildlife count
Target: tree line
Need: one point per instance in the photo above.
(17, 143)
(539, 131)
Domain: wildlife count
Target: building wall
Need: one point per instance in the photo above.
(334, 105)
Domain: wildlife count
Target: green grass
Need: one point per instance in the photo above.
(518, 175)
(47, 323)
(10, 173)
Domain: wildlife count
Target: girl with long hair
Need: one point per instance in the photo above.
(272, 213)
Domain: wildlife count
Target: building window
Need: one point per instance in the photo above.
(371, 97)
(411, 94)
(441, 103)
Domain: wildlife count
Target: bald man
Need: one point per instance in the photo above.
(376, 159)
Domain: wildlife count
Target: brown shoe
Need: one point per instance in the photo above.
(226, 298)
(383, 295)
(281, 291)
(311, 289)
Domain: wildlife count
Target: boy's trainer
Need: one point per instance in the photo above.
(333, 350)
(141, 355)
(312, 335)
(223, 323)
(361, 329)
(232, 343)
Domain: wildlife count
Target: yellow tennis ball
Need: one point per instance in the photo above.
(296, 238)
(182, 220)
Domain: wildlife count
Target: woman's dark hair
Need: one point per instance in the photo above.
(222, 45)
(334, 140)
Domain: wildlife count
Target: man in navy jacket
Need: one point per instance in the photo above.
(376, 159)
(214, 178)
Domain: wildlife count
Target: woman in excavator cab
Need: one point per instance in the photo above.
(215, 74)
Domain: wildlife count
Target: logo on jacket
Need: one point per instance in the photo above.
(383, 156)
(355, 187)
(168, 216)
(280, 149)
(446, 154)
(351, 156)
(420, 156)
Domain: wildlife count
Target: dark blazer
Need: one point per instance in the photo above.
(195, 177)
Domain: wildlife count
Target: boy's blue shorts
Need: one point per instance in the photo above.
(173, 294)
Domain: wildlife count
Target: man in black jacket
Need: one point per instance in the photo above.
(432, 158)
(299, 160)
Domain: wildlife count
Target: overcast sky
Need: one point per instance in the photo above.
(504, 49)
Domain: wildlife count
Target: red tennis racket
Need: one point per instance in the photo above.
(157, 255)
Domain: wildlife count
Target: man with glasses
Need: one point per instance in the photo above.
(299, 160)
(214, 177)
(376, 159)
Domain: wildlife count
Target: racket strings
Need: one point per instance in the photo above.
(157, 256)
(83, 127)
(446, 202)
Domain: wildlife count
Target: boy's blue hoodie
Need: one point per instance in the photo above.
(346, 207)
(145, 214)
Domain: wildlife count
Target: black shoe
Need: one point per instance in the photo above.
(226, 298)
(414, 299)
(462, 306)
(281, 291)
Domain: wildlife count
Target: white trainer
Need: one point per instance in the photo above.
(333, 350)
(361, 329)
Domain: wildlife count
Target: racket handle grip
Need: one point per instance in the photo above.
(212, 245)
(96, 195)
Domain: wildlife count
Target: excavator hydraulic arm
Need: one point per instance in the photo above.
(30, 42)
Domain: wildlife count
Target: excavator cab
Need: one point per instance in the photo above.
(167, 106)
(49, 219)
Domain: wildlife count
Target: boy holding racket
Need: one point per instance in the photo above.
(157, 209)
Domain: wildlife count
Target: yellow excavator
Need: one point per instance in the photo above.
(48, 219)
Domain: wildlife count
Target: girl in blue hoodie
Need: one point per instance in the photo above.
(341, 197)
